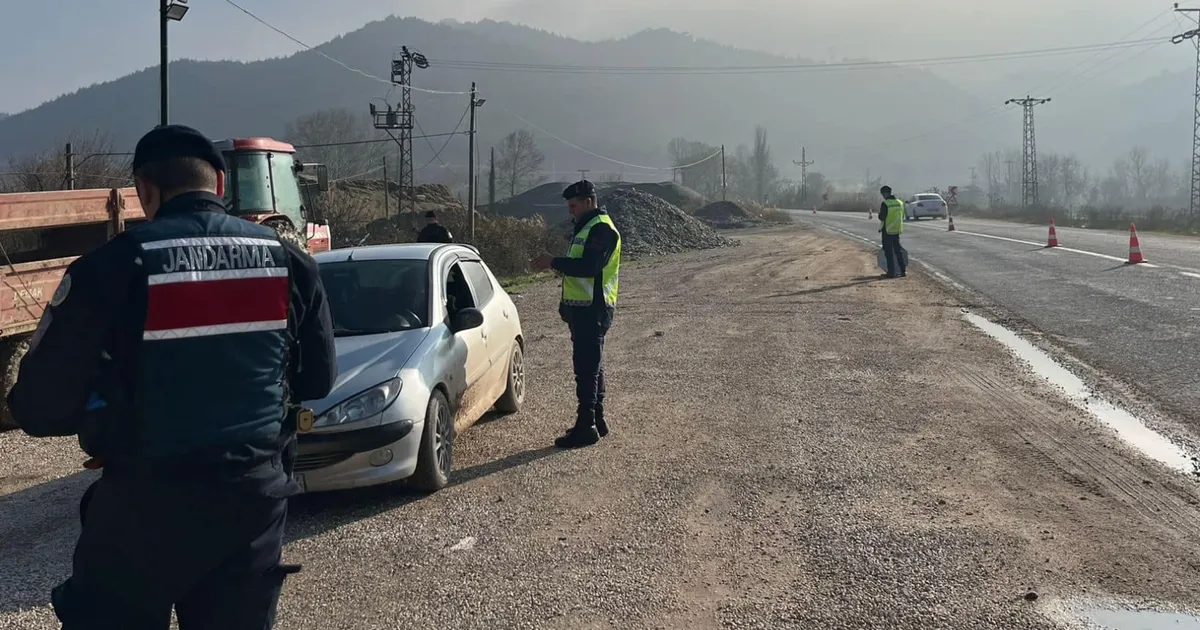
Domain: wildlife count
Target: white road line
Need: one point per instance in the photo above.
(1042, 245)
(1189, 274)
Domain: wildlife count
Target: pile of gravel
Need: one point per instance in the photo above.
(728, 214)
(652, 227)
(546, 200)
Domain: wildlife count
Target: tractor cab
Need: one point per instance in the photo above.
(263, 185)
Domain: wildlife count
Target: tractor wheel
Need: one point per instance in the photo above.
(12, 350)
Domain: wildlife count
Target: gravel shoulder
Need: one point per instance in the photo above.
(795, 444)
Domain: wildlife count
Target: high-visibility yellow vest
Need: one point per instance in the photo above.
(894, 224)
(582, 291)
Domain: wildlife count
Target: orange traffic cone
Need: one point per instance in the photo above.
(1135, 248)
(869, 214)
(1052, 241)
(951, 227)
(814, 210)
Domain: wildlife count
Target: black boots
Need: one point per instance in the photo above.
(588, 429)
(578, 437)
(601, 425)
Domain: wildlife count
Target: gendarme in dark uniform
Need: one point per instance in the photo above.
(434, 231)
(590, 273)
(173, 352)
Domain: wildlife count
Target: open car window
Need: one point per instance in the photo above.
(377, 296)
(458, 291)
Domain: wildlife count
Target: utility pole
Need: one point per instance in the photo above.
(723, 173)
(401, 118)
(1194, 36)
(1029, 175)
(70, 168)
(583, 173)
(492, 181)
(803, 164)
(386, 205)
(471, 167)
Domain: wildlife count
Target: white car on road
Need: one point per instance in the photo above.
(925, 205)
(427, 342)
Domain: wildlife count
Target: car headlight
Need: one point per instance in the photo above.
(360, 406)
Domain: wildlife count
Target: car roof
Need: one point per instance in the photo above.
(395, 251)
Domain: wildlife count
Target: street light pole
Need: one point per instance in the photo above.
(168, 10)
(471, 165)
(162, 63)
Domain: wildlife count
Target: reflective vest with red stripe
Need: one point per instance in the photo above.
(215, 338)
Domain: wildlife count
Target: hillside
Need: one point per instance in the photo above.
(630, 117)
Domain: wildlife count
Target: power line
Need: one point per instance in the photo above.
(597, 155)
(743, 69)
(437, 155)
(1051, 87)
(344, 65)
(358, 142)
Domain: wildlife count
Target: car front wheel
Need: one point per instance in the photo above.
(436, 453)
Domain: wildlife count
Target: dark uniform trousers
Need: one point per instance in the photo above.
(210, 548)
(588, 326)
(894, 254)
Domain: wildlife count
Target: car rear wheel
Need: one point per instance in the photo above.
(436, 453)
(514, 394)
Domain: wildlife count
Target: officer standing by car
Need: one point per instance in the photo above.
(175, 352)
(590, 272)
(434, 231)
(891, 220)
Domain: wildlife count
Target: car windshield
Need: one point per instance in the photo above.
(368, 297)
(927, 197)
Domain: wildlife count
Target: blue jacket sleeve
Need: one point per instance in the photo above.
(315, 360)
(65, 353)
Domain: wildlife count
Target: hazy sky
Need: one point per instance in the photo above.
(54, 47)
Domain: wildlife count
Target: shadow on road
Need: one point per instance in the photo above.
(315, 514)
(845, 285)
(38, 530)
(39, 525)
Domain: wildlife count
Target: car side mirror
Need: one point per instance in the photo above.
(466, 319)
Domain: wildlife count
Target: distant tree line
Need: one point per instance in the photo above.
(1135, 181)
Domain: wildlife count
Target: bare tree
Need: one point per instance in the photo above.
(353, 145)
(1139, 174)
(703, 169)
(765, 172)
(519, 163)
(97, 164)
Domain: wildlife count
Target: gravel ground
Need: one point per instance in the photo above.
(777, 460)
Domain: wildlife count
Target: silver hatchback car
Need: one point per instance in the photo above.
(427, 342)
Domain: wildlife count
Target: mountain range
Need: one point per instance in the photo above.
(905, 124)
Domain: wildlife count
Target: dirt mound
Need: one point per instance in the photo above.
(728, 214)
(435, 197)
(507, 244)
(546, 200)
(652, 227)
(682, 197)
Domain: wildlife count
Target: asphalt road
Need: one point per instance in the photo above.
(1136, 323)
